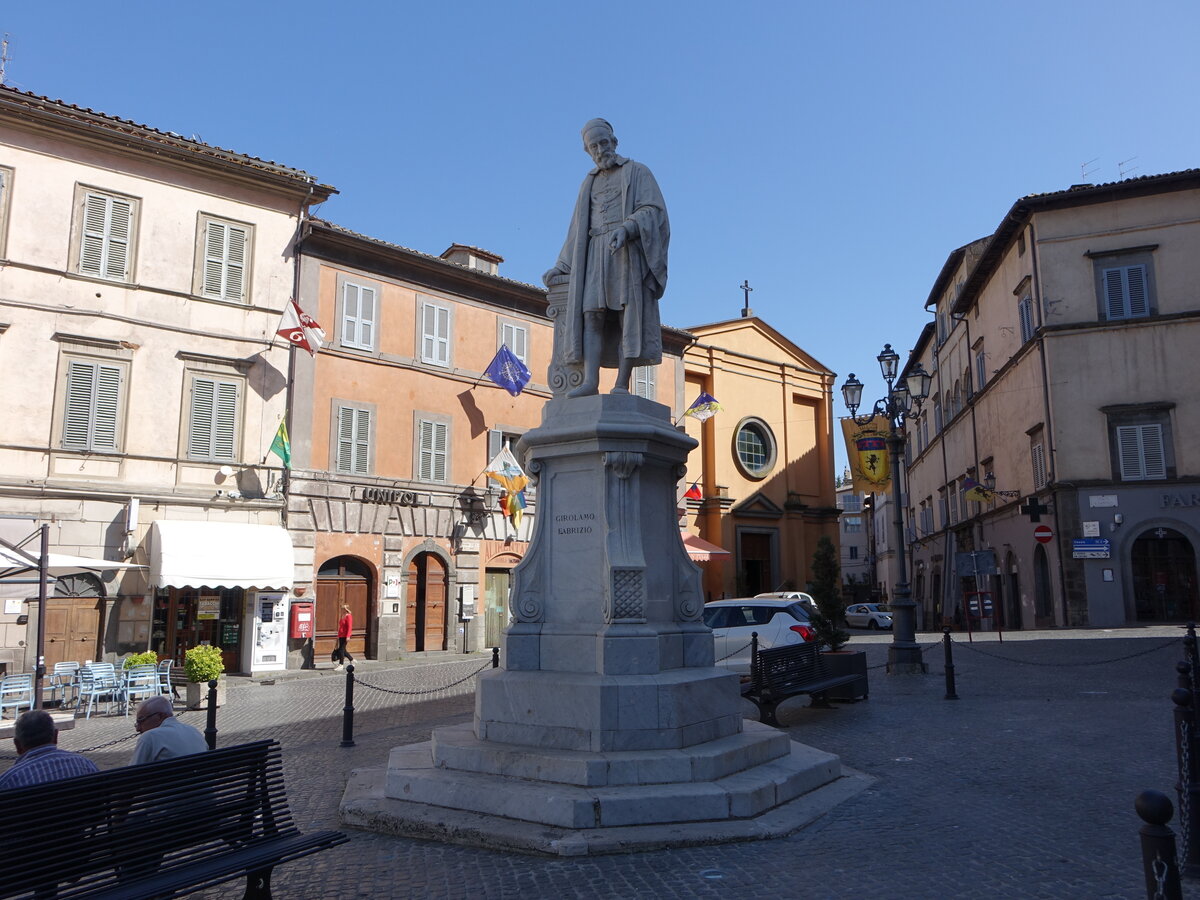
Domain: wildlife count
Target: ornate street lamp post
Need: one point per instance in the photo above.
(902, 400)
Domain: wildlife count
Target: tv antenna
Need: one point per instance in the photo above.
(1121, 167)
(4, 57)
(1084, 172)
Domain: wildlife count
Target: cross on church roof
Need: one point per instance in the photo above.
(1033, 508)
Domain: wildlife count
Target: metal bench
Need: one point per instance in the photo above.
(782, 672)
(164, 829)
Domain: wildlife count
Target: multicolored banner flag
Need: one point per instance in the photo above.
(705, 407)
(507, 371)
(281, 446)
(300, 328)
(866, 448)
(973, 490)
(693, 493)
(507, 472)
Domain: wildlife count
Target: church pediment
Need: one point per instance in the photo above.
(758, 506)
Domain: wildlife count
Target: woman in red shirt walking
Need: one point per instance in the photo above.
(345, 626)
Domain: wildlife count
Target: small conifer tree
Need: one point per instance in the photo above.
(829, 618)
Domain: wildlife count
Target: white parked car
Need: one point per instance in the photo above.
(868, 615)
(779, 622)
(805, 600)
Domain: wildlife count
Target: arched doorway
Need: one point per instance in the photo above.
(425, 607)
(74, 619)
(1163, 563)
(1043, 592)
(348, 580)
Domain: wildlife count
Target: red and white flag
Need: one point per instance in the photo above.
(300, 328)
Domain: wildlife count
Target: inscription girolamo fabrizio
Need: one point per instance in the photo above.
(562, 520)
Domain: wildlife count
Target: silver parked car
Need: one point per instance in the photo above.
(868, 615)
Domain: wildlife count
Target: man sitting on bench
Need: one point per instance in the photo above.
(40, 759)
(162, 735)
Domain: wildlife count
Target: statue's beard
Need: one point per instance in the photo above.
(605, 160)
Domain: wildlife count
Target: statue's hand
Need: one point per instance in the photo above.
(617, 239)
(555, 276)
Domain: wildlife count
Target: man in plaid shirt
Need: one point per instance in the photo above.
(40, 759)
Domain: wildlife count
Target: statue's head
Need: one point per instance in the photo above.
(600, 143)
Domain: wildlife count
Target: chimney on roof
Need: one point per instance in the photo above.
(473, 258)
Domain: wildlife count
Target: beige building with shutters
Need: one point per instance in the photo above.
(143, 277)
(1063, 353)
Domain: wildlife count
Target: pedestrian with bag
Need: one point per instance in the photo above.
(345, 626)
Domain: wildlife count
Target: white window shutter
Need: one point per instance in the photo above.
(215, 236)
(91, 250)
(495, 443)
(81, 384)
(225, 421)
(1153, 451)
(345, 448)
(440, 430)
(443, 334)
(1135, 280)
(362, 441)
(350, 296)
(120, 229)
(428, 332)
(425, 453)
(366, 318)
(200, 428)
(235, 262)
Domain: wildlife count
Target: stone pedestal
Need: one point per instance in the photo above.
(608, 712)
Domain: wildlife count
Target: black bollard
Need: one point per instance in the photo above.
(1188, 785)
(1190, 653)
(495, 657)
(1158, 846)
(348, 709)
(210, 731)
(950, 695)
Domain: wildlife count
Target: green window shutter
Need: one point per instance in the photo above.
(200, 426)
(215, 235)
(120, 230)
(235, 262)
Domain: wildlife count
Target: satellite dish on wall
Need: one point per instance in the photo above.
(226, 471)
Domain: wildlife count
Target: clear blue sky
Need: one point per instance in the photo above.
(831, 153)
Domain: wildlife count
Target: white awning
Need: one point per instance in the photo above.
(16, 562)
(219, 555)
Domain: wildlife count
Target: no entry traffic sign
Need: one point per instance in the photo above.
(1042, 534)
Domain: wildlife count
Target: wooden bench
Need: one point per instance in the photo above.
(782, 672)
(158, 830)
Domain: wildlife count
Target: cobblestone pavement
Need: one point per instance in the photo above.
(1023, 787)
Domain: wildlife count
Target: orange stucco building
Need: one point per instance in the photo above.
(765, 462)
(393, 423)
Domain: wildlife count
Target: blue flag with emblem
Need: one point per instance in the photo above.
(507, 371)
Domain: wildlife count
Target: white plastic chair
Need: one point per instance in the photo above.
(99, 683)
(164, 677)
(64, 680)
(16, 691)
(140, 681)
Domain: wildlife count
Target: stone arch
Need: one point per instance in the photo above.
(351, 580)
(430, 586)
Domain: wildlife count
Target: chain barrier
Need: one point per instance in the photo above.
(1160, 869)
(104, 746)
(883, 665)
(734, 653)
(1056, 665)
(436, 690)
(1185, 788)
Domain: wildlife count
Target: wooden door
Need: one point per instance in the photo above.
(72, 629)
(425, 604)
(342, 580)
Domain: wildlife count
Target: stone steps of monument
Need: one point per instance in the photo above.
(413, 776)
(457, 747)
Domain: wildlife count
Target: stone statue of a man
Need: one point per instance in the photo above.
(615, 263)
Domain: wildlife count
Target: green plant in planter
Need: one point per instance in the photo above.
(203, 664)
(149, 658)
(829, 618)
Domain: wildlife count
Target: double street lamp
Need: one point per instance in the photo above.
(902, 400)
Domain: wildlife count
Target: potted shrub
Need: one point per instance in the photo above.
(149, 658)
(201, 665)
(829, 623)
